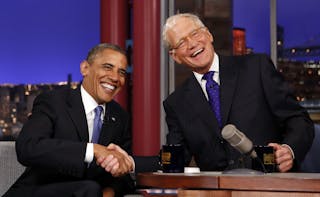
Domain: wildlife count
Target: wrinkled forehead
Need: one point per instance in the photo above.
(179, 28)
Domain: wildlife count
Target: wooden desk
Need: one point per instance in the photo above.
(178, 180)
(227, 185)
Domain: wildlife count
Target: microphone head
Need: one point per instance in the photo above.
(231, 134)
(238, 140)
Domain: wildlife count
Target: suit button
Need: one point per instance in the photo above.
(221, 141)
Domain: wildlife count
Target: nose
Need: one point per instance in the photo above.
(191, 43)
(114, 75)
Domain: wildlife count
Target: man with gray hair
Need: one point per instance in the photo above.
(246, 91)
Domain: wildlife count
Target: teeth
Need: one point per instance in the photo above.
(196, 52)
(111, 87)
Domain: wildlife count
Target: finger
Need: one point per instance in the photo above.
(284, 158)
(100, 160)
(128, 161)
(124, 158)
(129, 164)
(285, 162)
(283, 154)
(111, 146)
(275, 146)
(106, 161)
(111, 164)
(117, 148)
(115, 169)
(285, 166)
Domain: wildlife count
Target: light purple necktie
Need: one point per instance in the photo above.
(97, 123)
(213, 92)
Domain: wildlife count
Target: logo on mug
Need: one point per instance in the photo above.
(268, 159)
(166, 157)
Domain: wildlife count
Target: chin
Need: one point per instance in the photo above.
(106, 98)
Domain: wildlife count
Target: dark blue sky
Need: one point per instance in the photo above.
(42, 41)
(299, 18)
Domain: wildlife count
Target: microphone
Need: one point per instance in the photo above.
(238, 140)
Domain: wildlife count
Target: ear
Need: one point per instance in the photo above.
(174, 56)
(84, 68)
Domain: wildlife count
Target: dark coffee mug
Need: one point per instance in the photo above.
(172, 158)
(265, 160)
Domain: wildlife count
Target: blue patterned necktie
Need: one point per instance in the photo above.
(213, 92)
(97, 123)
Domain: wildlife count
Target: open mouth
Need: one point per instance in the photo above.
(108, 86)
(197, 52)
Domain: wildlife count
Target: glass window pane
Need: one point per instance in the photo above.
(299, 49)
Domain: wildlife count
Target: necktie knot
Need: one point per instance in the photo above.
(98, 111)
(208, 76)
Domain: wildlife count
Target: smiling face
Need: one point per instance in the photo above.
(191, 45)
(105, 75)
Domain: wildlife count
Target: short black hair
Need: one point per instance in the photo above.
(101, 47)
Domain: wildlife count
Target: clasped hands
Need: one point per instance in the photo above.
(113, 159)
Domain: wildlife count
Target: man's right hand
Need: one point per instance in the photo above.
(113, 159)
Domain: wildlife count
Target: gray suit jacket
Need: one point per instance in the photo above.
(253, 97)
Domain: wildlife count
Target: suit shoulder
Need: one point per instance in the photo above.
(117, 107)
(253, 60)
(56, 93)
(251, 56)
(179, 92)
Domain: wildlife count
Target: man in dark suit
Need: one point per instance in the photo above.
(57, 145)
(253, 97)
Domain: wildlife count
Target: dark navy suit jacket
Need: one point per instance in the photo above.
(52, 144)
(253, 97)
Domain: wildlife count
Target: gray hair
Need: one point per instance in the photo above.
(101, 47)
(172, 21)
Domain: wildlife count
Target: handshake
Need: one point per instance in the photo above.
(113, 159)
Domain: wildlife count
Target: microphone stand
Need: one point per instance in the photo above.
(243, 170)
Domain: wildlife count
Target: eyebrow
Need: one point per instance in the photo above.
(184, 37)
(108, 64)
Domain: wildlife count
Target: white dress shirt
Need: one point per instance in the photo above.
(89, 105)
(214, 67)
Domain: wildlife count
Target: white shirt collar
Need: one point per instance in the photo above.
(88, 101)
(214, 67)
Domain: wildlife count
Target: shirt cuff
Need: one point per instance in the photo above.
(89, 153)
(292, 153)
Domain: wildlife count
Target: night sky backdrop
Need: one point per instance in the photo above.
(43, 41)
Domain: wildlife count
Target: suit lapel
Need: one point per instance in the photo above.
(110, 122)
(77, 114)
(228, 73)
(197, 100)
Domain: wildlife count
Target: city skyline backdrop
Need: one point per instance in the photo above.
(44, 41)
